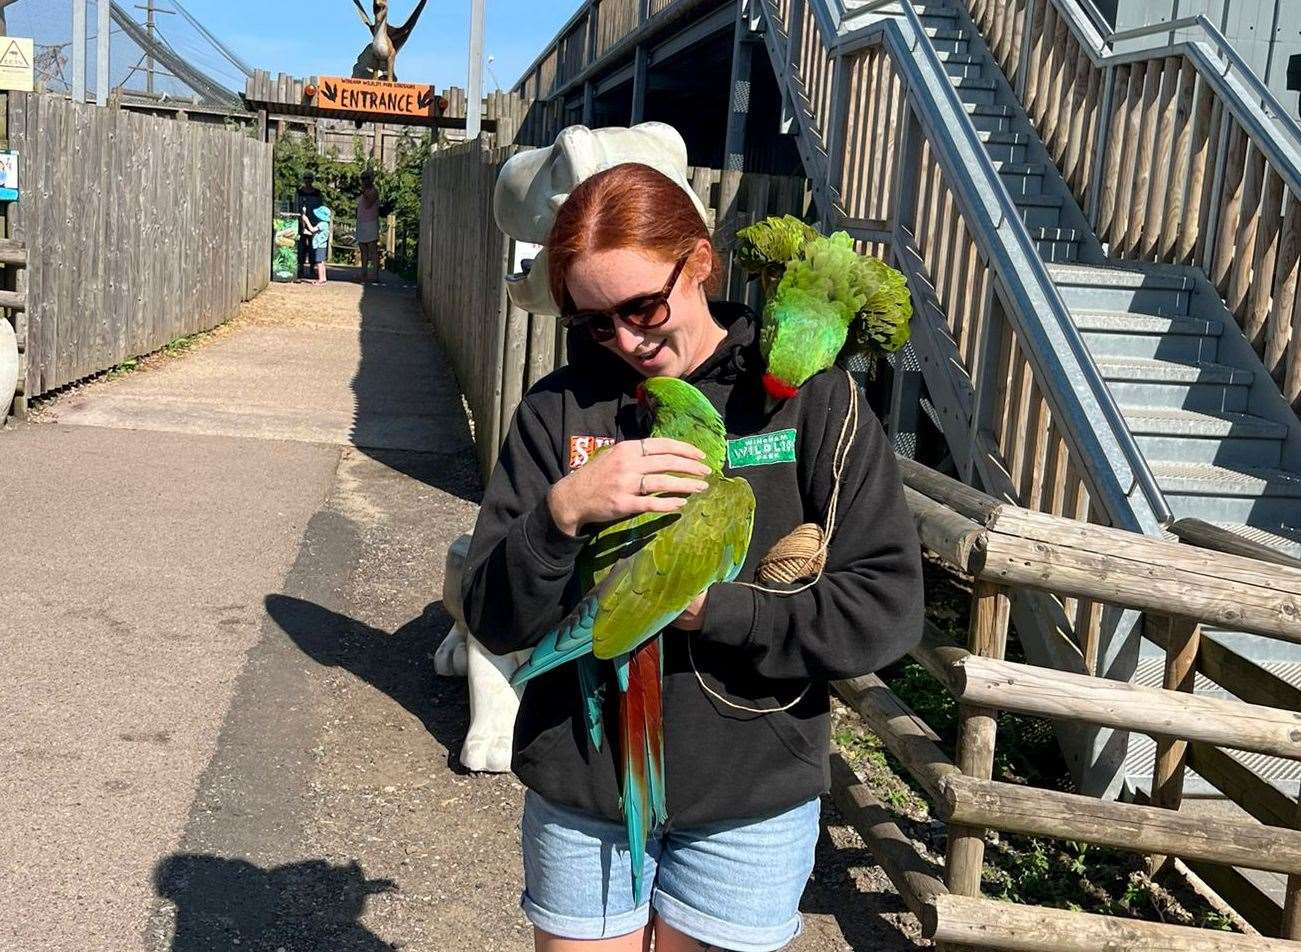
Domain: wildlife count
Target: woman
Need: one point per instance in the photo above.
(368, 225)
(631, 262)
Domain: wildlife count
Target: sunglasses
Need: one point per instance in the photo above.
(644, 312)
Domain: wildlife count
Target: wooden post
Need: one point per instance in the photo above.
(738, 111)
(640, 66)
(1182, 638)
(1291, 927)
(977, 727)
(905, 402)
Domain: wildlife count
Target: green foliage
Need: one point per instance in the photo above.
(339, 181)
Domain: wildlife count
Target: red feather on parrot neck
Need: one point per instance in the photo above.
(778, 389)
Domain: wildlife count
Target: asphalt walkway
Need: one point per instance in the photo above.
(220, 727)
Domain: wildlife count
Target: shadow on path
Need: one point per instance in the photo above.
(407, 397)
(400, 664)
(860, 913)
(299, 907)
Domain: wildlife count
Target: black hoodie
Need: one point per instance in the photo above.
(756, 649)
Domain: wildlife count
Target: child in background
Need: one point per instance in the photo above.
(320, 232)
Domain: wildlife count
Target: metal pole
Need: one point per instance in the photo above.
(78, 50)
(474, 85)
(149, 59)
(102, 53)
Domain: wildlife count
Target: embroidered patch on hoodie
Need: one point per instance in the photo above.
(762, 449)
(582, 448)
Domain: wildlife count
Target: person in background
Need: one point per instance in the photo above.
(306, 202)
(368, 226)
(319, 235)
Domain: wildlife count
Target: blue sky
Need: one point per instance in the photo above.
(308, 37)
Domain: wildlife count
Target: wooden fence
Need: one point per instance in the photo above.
(499, 351)
(1005, 549)
(139, 230)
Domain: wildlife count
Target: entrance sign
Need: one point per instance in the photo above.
(16, 64)
(343, 94)
(8, 176)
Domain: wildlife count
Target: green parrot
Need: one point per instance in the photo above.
(640, 574)
(822, 298)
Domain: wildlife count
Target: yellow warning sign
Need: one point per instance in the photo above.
(16, 63)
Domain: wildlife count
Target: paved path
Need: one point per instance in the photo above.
(219, 722)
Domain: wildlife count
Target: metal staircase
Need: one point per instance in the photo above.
(1147, 360)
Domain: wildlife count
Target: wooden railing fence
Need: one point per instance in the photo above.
(498, 351)
(139, 230)
(1172, 168)
(1005, 549)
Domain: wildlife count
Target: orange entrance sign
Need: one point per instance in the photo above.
(344, 94)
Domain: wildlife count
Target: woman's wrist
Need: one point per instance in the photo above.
(562, 514)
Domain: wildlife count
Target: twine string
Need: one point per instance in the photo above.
(802, 551)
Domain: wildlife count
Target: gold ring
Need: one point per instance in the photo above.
(643, 447)
(641, 487)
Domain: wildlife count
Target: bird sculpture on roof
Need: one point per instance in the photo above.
(379, 59)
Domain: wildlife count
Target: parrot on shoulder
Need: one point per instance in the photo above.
(821, 299)
(640, 574)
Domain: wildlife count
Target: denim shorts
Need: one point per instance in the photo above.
(736, 885)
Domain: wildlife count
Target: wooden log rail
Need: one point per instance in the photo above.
(1172, 167)
(979, 536)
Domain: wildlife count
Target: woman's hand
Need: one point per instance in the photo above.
(621, 481)
(693, 618)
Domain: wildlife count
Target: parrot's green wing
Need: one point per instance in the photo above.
(707, 543)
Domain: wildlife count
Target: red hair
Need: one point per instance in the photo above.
(627, 206)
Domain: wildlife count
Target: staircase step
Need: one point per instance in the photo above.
(1264, 496)
(1005, 146)
(991, 118)
(947, 40)
(1021, 178)
(1040, 211)
(1093, 288)
(1167, 383)
(963, 65)
(1057, 244)
(975, 90)
(1165, 434)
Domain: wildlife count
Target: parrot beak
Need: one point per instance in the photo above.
(776, 392)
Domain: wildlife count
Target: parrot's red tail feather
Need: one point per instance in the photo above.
(642, 735)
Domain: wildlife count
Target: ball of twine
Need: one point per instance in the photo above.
(797, 557)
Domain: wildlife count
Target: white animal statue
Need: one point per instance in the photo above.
(8, 367)
(493, 702)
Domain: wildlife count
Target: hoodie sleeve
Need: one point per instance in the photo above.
(521, 564)
(867, 609)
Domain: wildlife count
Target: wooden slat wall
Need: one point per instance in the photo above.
(498, 351)
(615, 19)
(140, 230)
(873, 128)
(1181, 179)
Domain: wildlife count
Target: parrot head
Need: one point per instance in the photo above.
(677, 410)
(822, 298)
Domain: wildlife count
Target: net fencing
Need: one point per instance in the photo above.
(176, 58)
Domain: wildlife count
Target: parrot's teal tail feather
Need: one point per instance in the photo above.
(593, 690)
(571, 639)
(640, 720)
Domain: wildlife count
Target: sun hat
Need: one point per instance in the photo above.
(534, 184)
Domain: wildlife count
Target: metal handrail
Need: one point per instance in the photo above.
(1084, 10)
(1036, 296)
